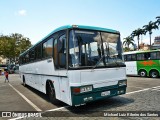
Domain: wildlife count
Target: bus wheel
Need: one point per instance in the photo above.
(51, 93)
(142, 73)
(154, 74)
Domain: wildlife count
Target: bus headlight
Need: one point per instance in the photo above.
(122, 82)
(85, 89)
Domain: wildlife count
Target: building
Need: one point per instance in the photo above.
(144, 46)
(156, 44)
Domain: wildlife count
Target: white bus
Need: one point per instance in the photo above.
(76, 64)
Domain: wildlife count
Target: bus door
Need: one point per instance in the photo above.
(60, 63)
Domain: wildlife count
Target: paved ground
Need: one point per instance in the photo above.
(143, 94)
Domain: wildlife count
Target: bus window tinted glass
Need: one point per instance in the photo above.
(44, 50)
(153, 55)
(62, 51)
(31, 55)
(133, 57)
(27, 58)
(38, 52)
(128, 57)
(55, 53)
(125, 57)
(158, 55)
(140, 56)
(47, 48)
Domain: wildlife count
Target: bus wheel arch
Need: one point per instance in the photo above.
(50, 91)
(153, 73)
(142, 73)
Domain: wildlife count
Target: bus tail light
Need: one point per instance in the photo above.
(76, 90)
(82, 89)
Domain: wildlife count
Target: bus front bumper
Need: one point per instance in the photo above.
(97, 94)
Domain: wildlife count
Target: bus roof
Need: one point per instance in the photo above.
(73, 26)
(133, 52)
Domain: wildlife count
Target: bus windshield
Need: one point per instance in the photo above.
(94, 48)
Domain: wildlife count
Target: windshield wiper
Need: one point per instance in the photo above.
(114, 61)
(98, 61)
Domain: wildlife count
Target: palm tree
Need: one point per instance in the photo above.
(158, 20)
(128, 40)
(149, 28)
(137, 33)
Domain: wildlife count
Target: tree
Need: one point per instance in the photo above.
(137, 33)
(148, 28)
(128, 40)
(6, 47)
(158, 20)
(11, 46)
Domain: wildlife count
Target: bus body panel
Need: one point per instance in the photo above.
(102, 80)
(148, 65)
(65, 90)
(131, 68)
(99, 76)
(36, 75)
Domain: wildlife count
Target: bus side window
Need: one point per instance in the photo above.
(38, 52)
(55, 53)
(128, 57)
(147, 56)
(125, 57)
(44, 50)
(47, 48)
(158, 55)
(133, 57)
(153, 55)
(62, 51)
(27, 58)
(139, 57)
(32, 55)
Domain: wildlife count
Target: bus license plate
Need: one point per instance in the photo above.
(105, 93)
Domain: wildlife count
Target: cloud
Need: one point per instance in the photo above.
(22, 12)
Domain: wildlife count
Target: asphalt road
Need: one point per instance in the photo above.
(143, 94)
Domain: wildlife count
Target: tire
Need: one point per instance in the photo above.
(51, 93)
(154, 74)
(142, 73)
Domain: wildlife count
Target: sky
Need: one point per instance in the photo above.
(37, 18)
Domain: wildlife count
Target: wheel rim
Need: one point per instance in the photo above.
(154, 74)
(143, 73)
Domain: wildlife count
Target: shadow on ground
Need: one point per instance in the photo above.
(92, 109)
(44, 96)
